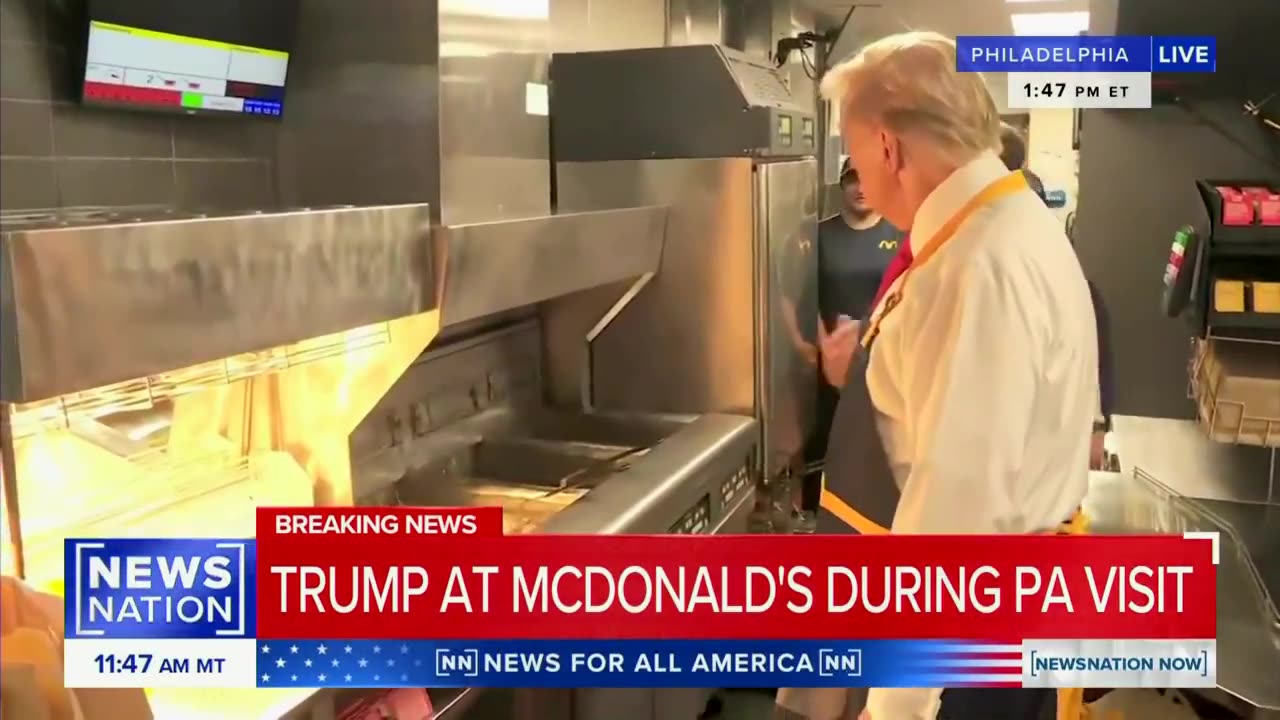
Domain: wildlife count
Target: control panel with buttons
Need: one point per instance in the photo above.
(736, 484)
(696, 521)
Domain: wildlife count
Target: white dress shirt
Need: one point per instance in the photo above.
(985, 378)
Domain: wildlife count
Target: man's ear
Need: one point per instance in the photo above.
(892, 148)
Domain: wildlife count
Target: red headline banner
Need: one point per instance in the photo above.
(405, 573)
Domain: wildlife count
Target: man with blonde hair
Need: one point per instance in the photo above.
(969, 407)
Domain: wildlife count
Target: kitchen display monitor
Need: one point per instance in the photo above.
(226, 57)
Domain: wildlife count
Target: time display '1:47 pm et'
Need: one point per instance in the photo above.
(1079, 90)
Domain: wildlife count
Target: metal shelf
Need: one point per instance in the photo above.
(1268, 246)
(1234, 385)
(1244, 320)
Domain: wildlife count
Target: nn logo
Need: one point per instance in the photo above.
(159, 588)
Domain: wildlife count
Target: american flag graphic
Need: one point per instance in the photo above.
(339, 663)
(973, 664)
(523, 663)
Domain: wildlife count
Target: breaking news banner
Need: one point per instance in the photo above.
(1083, 71)
(426, 597)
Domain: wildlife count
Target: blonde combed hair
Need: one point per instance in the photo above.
(909, 83)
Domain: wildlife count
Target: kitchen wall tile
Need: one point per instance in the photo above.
(224, 138)
(24, 71)
(27, 184)
(96, 132)
(65, 22)
(22, 20)
(224, 185)
(25, 129)
(65, 80)
(115, 183)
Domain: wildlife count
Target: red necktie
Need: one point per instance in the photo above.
(897, 266)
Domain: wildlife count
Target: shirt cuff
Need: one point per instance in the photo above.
(903, 703)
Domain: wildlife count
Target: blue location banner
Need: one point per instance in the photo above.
(1086, 53)
(635, 663)
(151, 588)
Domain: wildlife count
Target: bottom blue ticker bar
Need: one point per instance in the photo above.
(633, 663)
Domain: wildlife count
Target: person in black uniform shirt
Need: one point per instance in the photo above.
(854, 249)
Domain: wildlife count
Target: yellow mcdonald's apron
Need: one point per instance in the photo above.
(859, 493)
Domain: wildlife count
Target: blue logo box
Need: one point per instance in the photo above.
(154, 588)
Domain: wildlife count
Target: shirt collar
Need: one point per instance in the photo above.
(946, 199)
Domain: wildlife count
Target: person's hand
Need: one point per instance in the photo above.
(864, 715)
(1098, 450)
(837, 347)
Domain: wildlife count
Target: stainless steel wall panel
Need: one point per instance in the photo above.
(787, 237)
(566, 323)
(362, 124)
(675, 102)
(713, 330)
(687, 341)
(578, 25)
(695, 22)
(440, 101)
(494, 147)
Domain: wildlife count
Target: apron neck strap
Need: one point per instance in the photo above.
(1007, 185)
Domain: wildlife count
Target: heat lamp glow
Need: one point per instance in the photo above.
(506, 9)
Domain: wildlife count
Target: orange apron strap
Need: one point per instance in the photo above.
(1015, 181)
(1071, 704)
(847, 514)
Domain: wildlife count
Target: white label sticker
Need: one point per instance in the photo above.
(535, 99)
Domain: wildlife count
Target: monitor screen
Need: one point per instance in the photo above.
(225, 57)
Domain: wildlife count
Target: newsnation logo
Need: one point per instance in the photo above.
(160, 613)
(181, 613)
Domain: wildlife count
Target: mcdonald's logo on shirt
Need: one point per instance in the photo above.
(888, 244)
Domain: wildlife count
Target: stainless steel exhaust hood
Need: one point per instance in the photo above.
(487, 268)
(92, 297)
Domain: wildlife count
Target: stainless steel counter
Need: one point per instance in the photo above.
(1258, 528)
(1248, 623)
(1180, 455)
